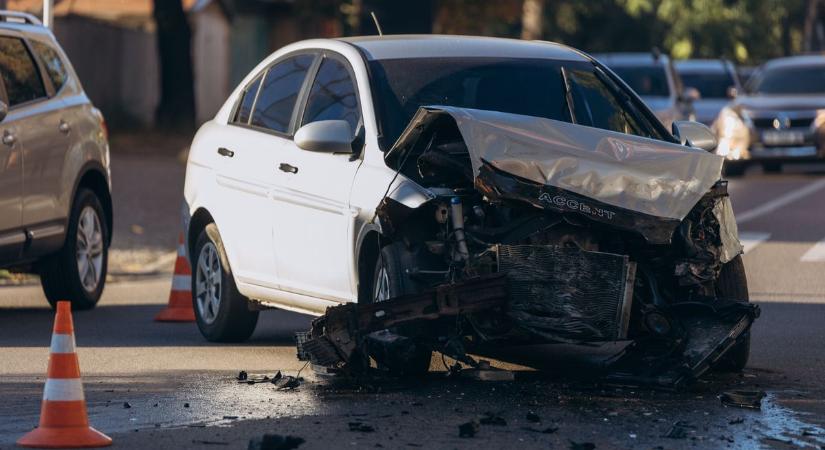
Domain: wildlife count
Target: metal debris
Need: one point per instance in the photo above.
(582, 445)
(361, 427)
(490, 418)
(533, 417)
(275, 442)
(242, 376)
(126, 405)
(743, 399)
(679, 430)
(469, 429)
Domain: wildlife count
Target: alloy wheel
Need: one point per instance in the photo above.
(90, 249)
(208, 276)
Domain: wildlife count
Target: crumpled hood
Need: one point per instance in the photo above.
(644, 175)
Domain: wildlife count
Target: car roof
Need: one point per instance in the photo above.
(631, 59)
(434, 46)
(701, 65)
(796, 61)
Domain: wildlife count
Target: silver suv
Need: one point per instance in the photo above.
(55, 205)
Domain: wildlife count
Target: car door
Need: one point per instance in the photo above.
(314, 225)
(45, 146)
(247, 159)
(12, 237)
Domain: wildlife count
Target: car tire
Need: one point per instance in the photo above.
(391, 279)
(734, 170)
(733, 284)
(772, 167)
(77, 272)
(222, 313)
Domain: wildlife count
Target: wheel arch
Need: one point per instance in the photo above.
(200, 219)
(94, 178)
(368, 250)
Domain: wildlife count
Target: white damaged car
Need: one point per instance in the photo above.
(363, 170)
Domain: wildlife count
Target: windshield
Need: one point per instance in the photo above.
(790, 80)
(709, 84)
(647, 81)
(527, 87)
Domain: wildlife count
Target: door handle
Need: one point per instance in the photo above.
(64, 127)
(226, 152)
(8, 138)
(288, 168)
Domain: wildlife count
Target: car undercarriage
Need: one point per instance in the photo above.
(599, 239)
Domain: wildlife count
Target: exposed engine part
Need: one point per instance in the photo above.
(457, 215)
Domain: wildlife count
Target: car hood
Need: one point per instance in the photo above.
(779, 102)
(638, 174)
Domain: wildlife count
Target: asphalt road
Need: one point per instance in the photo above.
(162, 385)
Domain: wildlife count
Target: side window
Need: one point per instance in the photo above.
(279, 92)
(333, 96)
(19, 72)
(55, 68)
(247, 102)
(596, 106)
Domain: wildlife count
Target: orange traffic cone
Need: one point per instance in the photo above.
(179, 308)
(63, 419)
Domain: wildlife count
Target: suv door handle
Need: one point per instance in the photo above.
(226, 152)
(9, 138)
(284, 167)
(64, 127)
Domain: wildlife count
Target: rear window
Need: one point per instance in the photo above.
(247, 102)
(647, 81)
(709, 84)
(20, 74)
(55, 68)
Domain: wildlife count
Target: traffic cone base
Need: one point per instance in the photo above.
(180, 307)
(75, 437)
(64, 422)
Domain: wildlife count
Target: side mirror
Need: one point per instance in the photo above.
(691, 94)
(732, 92)
(325, 136)
(4, 110)
(694, 134)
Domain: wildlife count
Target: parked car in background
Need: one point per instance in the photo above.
(55, 206)
(716, 81)
(364, 169)
(745, 73)
(780, 119)
(654, 78)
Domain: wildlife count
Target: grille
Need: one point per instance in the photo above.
(767, 122)
(566, 294)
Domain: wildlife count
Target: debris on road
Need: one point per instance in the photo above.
(203, 442)
(360, 427)
(679, 430)
(548, 430)
(743, 399)
(242, 376)
(126, 405)
(582, 445)
(468, 429)
(533, 417)
(490, 418)
(275, 442)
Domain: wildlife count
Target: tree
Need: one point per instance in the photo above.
(177, 92)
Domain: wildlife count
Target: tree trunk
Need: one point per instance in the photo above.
(177, 94)
(812, 30)
(532, 20)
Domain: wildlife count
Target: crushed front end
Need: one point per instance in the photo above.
(538, 231)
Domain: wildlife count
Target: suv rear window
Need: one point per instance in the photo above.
(19, 72)
(54, 65)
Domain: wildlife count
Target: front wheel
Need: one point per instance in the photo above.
(77, 272)
(221, 312)
(732, 284)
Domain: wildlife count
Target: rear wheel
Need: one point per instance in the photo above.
(77, 272)
(221, 312)
(733, 284)
(390, 280)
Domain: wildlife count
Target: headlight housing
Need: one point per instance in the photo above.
(733, 134)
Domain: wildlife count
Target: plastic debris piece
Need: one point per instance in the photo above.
(468, 430)
(743, 399)
(275, 442)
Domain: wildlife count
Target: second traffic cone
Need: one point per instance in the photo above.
(180, 307)
(63, 419)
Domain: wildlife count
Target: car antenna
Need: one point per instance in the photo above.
(377, 25)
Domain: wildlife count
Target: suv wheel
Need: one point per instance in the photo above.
(221, 312)
(78, 271)
(733, 284)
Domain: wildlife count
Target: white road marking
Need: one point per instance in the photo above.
(773, 205)
(815, 253)
(750, 239)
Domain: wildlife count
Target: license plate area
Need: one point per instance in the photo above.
(783, 137)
